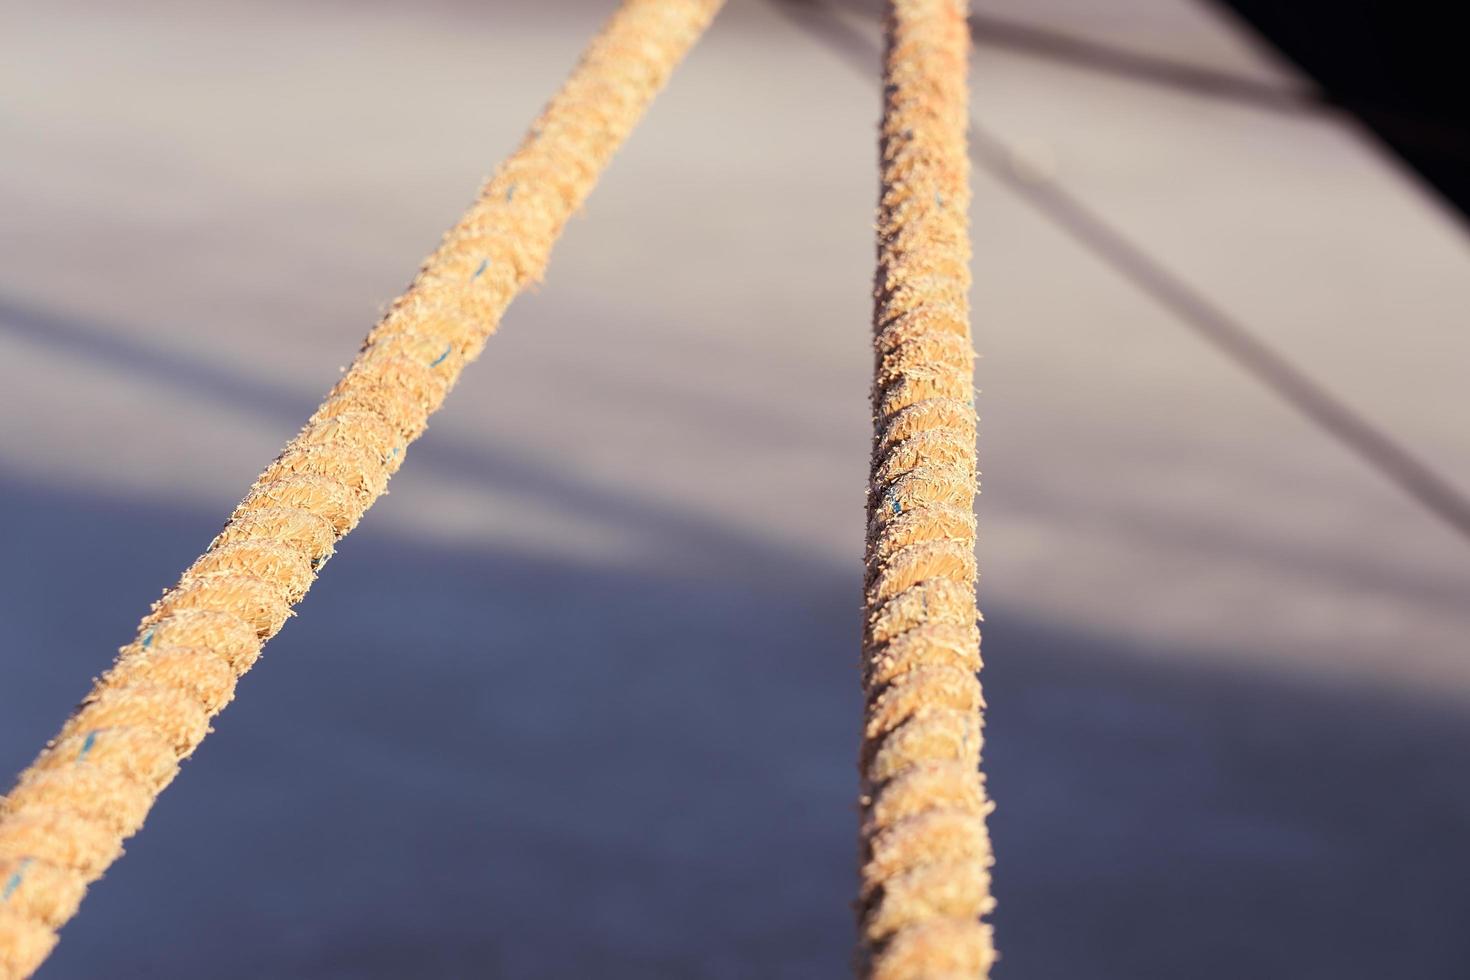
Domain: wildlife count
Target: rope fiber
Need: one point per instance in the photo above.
(925, 879)
(66, 819)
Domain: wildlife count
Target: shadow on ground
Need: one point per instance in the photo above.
(461, 762)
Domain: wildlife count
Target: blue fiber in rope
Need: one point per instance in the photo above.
(440, 359)
(484, 264)
(148, 638)
(13, 882)
(87, 744)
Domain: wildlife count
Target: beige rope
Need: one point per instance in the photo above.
(91, 788)
(926, 855)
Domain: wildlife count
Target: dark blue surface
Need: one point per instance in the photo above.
(462, 762)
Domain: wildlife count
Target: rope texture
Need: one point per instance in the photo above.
(925, 880)
(64, 822)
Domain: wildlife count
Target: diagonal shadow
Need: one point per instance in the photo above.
(1380, 450)
(1411, 130)
(658, 523)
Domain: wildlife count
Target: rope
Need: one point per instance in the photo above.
(925, 881)
(64, 822)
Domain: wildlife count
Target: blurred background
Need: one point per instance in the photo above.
(580, 697)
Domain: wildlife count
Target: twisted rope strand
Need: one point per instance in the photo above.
(925, 879)
(64, 822)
